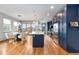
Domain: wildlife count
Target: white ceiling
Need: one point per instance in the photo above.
(31, 11)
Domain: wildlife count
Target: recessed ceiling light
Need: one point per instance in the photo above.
(51, 7)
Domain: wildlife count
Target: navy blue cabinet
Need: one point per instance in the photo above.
(38, 40)
(69, 36)
(72, 33)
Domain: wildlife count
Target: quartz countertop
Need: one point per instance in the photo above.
(37, 32)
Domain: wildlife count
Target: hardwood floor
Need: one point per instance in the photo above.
(21, 48)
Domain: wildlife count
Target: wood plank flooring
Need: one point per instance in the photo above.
(21, 48)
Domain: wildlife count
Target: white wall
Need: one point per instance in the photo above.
(2, 15)
(1, 24)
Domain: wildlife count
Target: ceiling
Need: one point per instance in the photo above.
(30, 12)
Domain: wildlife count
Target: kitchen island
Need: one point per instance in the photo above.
(37, 39)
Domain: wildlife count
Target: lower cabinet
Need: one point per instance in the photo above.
(38, 40)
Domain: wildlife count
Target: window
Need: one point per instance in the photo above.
(15, 25)
(6, 25)
(28, 25)
(24, 26)
(55, 27)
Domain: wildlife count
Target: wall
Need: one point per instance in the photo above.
(72, 14)
(61, 20)
(69, 36)
(62, 29)
(1, 26)
(2, 15)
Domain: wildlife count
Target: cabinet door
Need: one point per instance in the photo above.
(38, 40)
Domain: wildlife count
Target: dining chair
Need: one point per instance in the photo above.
(11, 37)
(24, 37)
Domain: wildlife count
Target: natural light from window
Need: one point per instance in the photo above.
(6, 21)
(6, 25)
(15, 23)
